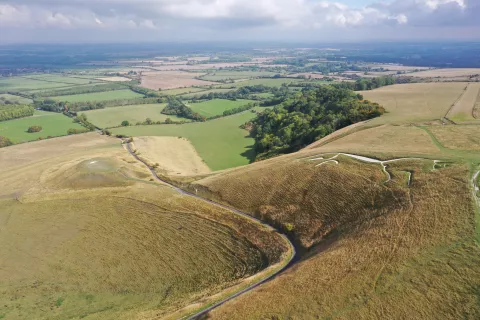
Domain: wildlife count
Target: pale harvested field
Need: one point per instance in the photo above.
(461, 137)
(447, 73)
(415, 102)
(84, 234)
(337, 134)
(463, 109)
(176, 156)
(171, 80)
(396, 67)
(386, 139)
(115, 79)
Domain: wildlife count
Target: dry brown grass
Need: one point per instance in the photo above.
(387, 140)
(174, 156)
(305, 200)
(171, 80)
(83, 233)
(463, 109)
(416, 260)
(415, 102)
(462, 137)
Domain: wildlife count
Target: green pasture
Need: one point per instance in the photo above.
(113, 117)
(53, 124)
(99, 96)
(216, 107)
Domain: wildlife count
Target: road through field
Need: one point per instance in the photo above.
(288, 243)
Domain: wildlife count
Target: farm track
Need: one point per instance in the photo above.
(289, 244)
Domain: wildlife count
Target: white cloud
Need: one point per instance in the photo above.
(222, 15)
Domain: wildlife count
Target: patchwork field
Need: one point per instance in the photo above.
(100, 96)
(113, 117)
(24, 84)
(216, 107)
(265, 82)
(414, 102)
(220, 143)
(53, 125)
(235, 75)
(72, 80)
(463, 109)
(173, 155)
(80, 203)
(16, 99)
(171, 80)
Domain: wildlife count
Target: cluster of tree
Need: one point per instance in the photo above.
(9, 112)
(176, 108)
(148, 93)
(373, 83)
(79, 90)
(5, 142)
(82, 119)
(308, 116)
(50, 105)
(76, 131)
(33, 129)
(247, 92)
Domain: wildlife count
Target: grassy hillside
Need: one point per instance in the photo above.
(221, 142)
(377, 246)
(85, 234)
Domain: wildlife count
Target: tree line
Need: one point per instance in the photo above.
(308, 116)
(10, 111)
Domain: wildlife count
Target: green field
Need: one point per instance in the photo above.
(63, 79)
(16, 99)
(100, 96)
(23, 84)
(216, 107)
(201, 93)
(53, 124)
(112, 117)
(221, 143)
(174, 92)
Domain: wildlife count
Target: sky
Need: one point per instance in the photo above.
(72, 21)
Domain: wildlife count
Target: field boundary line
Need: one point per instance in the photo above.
(456, 102)
(283, 265)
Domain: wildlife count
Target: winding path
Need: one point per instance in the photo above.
(288, 243)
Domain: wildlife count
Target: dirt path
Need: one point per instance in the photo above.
(288, 243)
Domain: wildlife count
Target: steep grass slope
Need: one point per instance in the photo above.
(396, 244)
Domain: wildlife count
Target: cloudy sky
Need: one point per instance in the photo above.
(274, 20)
